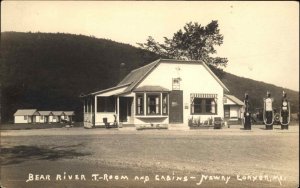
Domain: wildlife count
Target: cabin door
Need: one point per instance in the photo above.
(176, 106)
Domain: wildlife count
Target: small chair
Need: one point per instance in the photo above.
(106, 123)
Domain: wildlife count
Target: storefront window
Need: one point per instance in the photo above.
(140, 104)
(165, 103)
(203, 106)
(153, 104)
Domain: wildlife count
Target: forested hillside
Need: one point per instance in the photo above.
(49, 71)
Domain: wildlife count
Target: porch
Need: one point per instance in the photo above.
(118, 109)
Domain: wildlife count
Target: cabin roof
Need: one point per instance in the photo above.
(69, 113)
(57, 113)
(25, 112)
(44, 113)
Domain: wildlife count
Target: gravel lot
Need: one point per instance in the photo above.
(226, 152)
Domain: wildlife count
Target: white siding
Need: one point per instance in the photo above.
(195, 79)
(20, 119)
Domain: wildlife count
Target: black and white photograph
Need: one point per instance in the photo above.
(149, 94)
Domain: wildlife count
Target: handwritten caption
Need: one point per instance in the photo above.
(199, 179)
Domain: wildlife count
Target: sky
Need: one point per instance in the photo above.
(261, 39)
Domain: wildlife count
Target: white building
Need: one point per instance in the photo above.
(43, 116)
(233, 107)
(164, 92)
(56, 116)
(34, 116)
(68, 115)
(25, 116)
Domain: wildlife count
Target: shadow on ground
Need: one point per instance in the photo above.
(19, 154)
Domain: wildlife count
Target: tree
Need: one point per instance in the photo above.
(194, 42)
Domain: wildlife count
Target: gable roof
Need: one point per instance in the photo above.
(235, 100)
(132, 80)
(25, 112)
(137, 75)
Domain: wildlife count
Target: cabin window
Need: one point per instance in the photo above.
(165, 103)
(203, 106)
(25, 117)
(105, 104)
(153, 104)
(139, 104)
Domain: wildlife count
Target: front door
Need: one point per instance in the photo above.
(226, 111)
(176, 106)
(125, 108)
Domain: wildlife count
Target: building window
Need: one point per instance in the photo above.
(42, 117)
(176, 83)
(25, 117)
(153, 104)
(203, 106)
(54, 117)
(140, 104)
(105, 104)
(165, 103)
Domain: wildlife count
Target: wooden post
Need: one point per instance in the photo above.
(118, 109)
(161, 103)
(145, 104)
(95, 109)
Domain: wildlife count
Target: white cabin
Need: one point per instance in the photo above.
(25, 116)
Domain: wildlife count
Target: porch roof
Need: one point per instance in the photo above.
(151, 89)
(235, 100)
(25, 112)
(110, 91)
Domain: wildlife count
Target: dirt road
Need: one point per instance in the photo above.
(220, 158)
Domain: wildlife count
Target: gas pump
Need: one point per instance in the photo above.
(268, 112)
(285, 112)
(247, 113)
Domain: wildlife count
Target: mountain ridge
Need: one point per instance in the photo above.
(49, 71)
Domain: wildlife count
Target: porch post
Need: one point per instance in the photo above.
(84, 101)
(145, 104)
(161, 105)
(95, 109)
(118, 109)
